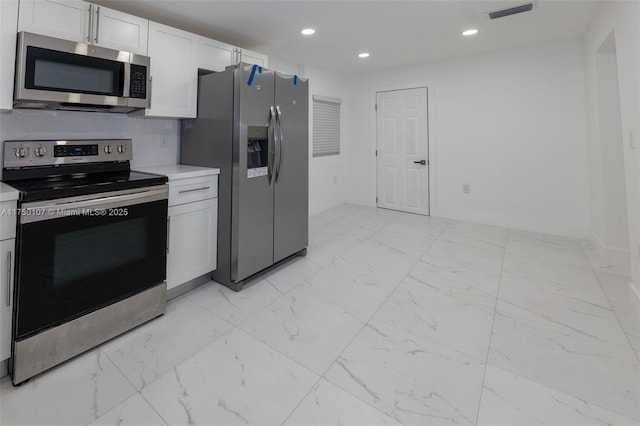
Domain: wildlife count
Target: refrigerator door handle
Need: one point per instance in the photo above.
(281, 144)
(271, 143)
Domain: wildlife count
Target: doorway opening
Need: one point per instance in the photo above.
(610, 222)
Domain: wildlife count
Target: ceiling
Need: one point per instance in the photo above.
(395, 32)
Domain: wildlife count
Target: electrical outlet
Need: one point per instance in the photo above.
(164, 141)
(466, 188)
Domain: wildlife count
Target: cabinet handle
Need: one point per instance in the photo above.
(90, 30)
(8, 277)
(97, 24)
(193, 190)
(168, 232)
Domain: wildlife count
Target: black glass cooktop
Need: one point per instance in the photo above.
(70, 186)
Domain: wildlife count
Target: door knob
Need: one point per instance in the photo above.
(423, 162)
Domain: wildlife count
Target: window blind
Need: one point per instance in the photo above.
(326, 126)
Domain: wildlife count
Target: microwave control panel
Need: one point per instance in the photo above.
(138, 84)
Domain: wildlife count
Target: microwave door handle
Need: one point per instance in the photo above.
(126, 83)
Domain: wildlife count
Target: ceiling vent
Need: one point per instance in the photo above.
(511, 11)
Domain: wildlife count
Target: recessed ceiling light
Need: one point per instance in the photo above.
(470, 32)
(363, 55)
(308, 31)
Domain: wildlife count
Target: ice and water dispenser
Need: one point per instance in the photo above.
(257, 151)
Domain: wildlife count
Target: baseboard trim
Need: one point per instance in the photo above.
(522, 223)
(616, 254)
(634, 298)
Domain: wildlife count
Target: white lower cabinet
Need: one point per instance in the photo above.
(192, 227)
(192, 241)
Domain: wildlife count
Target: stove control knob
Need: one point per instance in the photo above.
(108, 149)
(40, 151)
(122, 149)
(22, 152)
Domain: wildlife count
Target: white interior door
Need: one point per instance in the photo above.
(403, 150)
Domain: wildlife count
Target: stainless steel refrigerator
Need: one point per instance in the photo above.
(253, 124)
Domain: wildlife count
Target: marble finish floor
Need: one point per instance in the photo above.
(390, 319)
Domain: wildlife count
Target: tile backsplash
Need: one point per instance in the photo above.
(155, 141)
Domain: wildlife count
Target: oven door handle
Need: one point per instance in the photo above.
(71, 208)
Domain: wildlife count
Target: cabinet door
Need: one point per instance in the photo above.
(66, 19)
(214, 55)
(8, 30)
(174, 72)
(6, 305)
(193, 229)
(121, 31)
(253, 58)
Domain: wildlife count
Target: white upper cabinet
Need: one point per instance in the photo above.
(8, 25)
(120, 31)
(174, 72)
(250, 57)
(66, 19)
(214, 55)
(79, 21)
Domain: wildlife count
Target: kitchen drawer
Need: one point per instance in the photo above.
(183, 191)
(7, 220)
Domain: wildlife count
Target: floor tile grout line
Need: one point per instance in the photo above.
(612, 303)
(301, 400)
(564, 392)
(153, 408)
(320, 376)
(542, 383)
(369, 238)
(493, 320)
(226, 333)
(367, 322)
(237, 326)
(541, 318)
(117, 368)
(101, 347)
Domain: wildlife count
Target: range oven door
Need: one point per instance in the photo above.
(77, 255)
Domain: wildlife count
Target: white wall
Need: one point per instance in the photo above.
(608, 194)
(622, 19)
(511, 124)
(155, 142)
(327, 177)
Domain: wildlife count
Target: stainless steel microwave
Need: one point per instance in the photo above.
(59, 74)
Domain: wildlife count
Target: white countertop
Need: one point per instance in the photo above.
(179, 171)
(8, 193)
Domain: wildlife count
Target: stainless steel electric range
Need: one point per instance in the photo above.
(90, 248)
